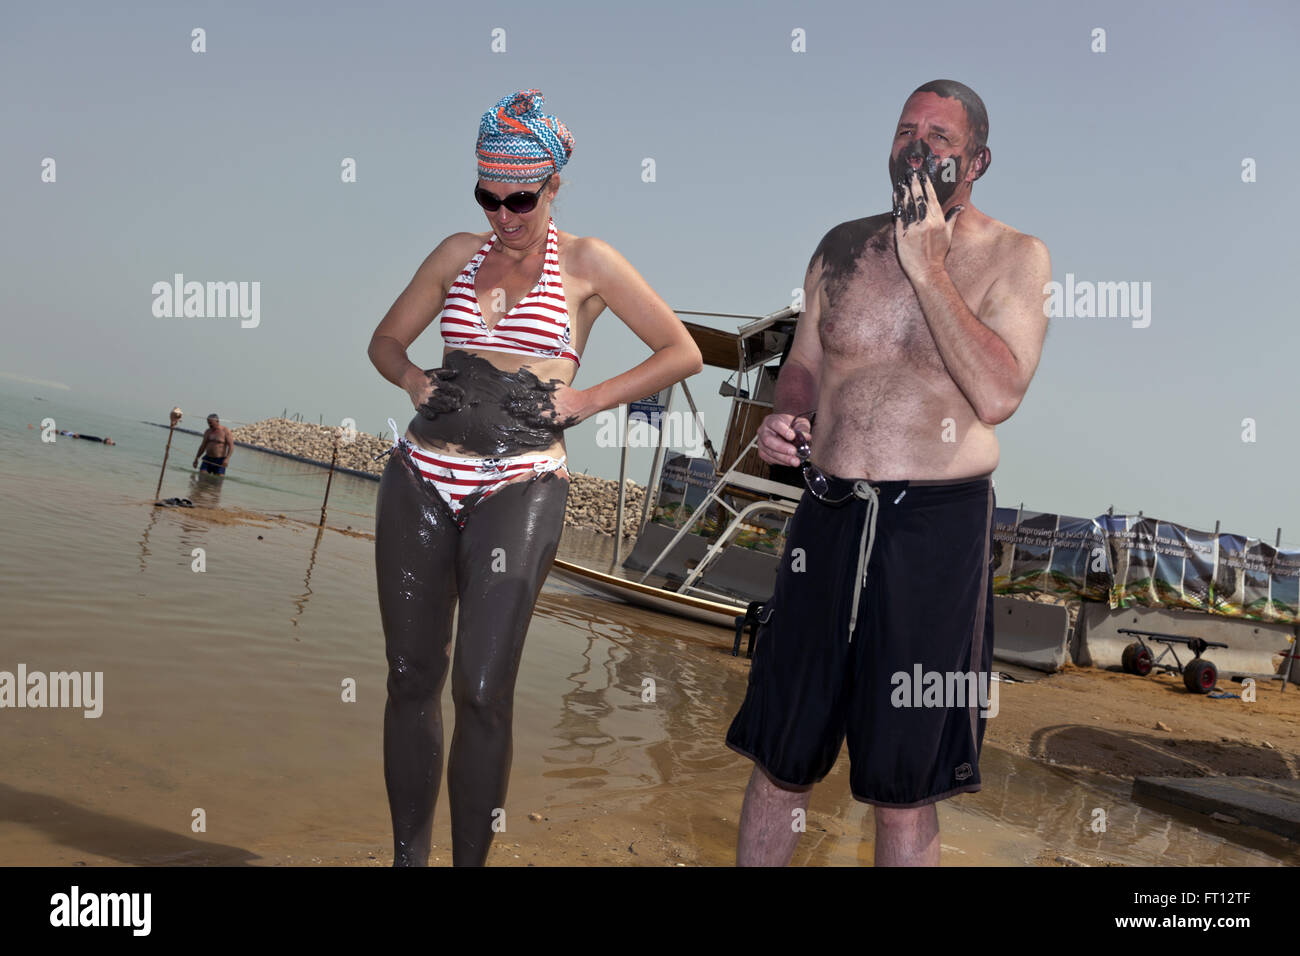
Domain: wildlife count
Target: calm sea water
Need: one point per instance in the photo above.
(223, 690)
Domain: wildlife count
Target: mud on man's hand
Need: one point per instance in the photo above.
(922, 230)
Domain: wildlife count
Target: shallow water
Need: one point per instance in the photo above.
(223, 692)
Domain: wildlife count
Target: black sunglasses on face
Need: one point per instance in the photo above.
(520, 202)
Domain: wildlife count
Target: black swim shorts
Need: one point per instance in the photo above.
(212, 465)
(902, 665)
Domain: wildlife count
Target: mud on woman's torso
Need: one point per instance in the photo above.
(478, 409)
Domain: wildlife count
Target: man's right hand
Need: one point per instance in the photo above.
(777, 441)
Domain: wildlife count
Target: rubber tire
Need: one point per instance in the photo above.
(1138, 660)
(1126, 660)
(1200, 676)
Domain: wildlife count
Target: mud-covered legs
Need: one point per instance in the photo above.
(495, 566)
(415, 563)
(505, 553)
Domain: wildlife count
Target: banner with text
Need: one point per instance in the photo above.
(1131, 561)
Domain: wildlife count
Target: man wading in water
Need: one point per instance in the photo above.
(923, 328)
(217, 445)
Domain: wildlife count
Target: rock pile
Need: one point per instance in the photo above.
(593, 502)
(315, 442)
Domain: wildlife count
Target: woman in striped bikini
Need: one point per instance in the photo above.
(471, 503)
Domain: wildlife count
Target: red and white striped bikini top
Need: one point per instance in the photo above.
(538, 325)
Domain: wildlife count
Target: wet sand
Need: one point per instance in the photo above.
(223, 693)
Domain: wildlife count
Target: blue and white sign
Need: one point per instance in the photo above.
(649, 408)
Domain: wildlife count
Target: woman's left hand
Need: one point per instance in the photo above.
(569, 405)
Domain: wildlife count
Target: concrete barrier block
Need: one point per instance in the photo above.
(1030, 634)
(1251, 648)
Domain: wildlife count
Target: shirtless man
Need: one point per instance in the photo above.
(922, 331)
(216, 447)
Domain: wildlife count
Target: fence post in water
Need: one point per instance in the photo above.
(622, 490)
(655, 466)
(176, 417)
(330, 480)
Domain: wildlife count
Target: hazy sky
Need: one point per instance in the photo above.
(225, 166)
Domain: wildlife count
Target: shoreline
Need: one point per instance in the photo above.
(600, 776)
(592, 502)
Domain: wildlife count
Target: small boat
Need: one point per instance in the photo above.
(713, 528)
(720, 613)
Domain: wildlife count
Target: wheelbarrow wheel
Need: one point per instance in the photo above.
(1200, 676)
(1137, 660)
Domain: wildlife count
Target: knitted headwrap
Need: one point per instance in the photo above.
(517, 143)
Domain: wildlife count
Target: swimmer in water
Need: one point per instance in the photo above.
(68, 434)
(471, 502)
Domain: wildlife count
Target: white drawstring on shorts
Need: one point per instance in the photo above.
(863, 489)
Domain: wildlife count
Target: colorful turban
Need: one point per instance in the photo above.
(517, 143)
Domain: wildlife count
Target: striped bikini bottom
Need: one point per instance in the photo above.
(464, 483)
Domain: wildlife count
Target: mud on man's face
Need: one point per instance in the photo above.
(944, 172)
